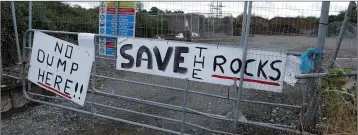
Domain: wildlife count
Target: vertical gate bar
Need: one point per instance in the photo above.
(30, 36)
(115, 47)
(243, 26)
(93, 83)
(0, 66)
(303, 104)
(185, 96)
(235, 111)
(244, 54)
(322, 33)
(357, 62)
(340, 36)
(15, 29)
(116, 21)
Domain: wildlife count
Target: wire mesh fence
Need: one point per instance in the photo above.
(275, 26)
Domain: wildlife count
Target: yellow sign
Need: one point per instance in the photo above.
(111, 4)
(127, 4)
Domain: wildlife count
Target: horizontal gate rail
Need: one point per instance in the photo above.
(183, 108)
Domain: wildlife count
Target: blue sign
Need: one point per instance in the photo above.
(102, 17)
(125, 18)
(108, 24)
(101, 30)
(127, 33)
(101, 23)
(126, 25)
(110, 51)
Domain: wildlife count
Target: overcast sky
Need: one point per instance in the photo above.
(264, 9)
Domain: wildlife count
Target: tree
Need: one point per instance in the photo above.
(178, 11)
(154, 10)
(139, 6)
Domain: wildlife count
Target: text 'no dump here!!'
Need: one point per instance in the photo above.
(265, 70)
(60, 67)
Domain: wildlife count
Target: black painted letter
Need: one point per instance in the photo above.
(63, 63)
(247, 62)
(74, 67)
(162, 64)
(38, 56)
(260, 69)
(41, 74)
(141, 50)
(57, 47)
(127, 56)
(66, 86)
(239, 66)
(58, 80)
(193, 75)
(219, 64)
(67, 49)
(179, 59)
(49, 63)
(276, 69)
(47, 79)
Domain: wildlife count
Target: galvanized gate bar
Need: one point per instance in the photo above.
(162, 105)
(198, 92)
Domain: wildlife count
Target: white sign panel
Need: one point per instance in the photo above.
(61, 67)
(204, 63)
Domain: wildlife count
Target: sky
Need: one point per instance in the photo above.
(265, 9)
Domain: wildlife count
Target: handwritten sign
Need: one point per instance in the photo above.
(61, 67)
(204, 63)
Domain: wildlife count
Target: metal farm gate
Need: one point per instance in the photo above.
(178, 106)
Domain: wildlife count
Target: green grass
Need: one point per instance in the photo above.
(339, 111)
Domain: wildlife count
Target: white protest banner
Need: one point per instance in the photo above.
(292, 69)
(61, 67)
(204, 63)
(86, 41)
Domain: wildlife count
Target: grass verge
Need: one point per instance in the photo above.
(339, 113)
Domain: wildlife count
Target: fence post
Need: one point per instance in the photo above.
(243, 26)
(30, 36)
(93, 85)
(357, 64)
(340, 36)
(115, 47)
(244, 54)
(310, 118)
(0, 67)
(185, 104)
(15, 29)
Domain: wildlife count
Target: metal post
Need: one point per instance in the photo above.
(116, 21)
(115, 48)
(0, 68)
(235, 111)
(244, 54)
(30, 17)
(243, 26)
(15, 29)
(93, 84)
(357, 65)
(341, 34)
(185, 105)
(322, 33)
(30, 36)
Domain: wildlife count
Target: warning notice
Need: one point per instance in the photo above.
(264, 70)
(61, 67)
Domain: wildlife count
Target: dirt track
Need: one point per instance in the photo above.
(44, 119)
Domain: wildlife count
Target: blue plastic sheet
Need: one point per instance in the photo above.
(309, 58)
